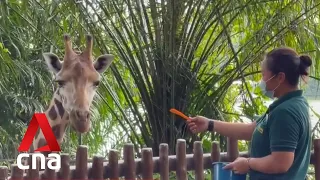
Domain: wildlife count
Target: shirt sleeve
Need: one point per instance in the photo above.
(284, 131)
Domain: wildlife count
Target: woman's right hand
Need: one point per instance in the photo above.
(198, 124)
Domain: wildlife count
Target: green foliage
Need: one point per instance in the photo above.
(210, 46)
(201, 57)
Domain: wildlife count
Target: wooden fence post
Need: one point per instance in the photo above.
(164, 161)
(316, 145)
(232, 149)
(97, 168)
(33, 173)
(3, 173)
(181, 160)
(215, 152)
(48, 174)
(130, 165)
(81, 171)
(147, 164)
(16, 173)
(198, 160)
(64, 172)
(113, 164)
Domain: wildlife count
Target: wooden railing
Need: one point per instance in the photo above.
(131, 168)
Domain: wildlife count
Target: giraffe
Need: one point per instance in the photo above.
(78, 77)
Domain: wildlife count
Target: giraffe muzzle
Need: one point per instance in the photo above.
(82, 115)
(80, 120)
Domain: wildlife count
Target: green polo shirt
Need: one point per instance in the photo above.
(284, 127)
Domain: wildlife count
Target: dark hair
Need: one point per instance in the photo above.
(288, 61)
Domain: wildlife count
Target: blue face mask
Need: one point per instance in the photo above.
(263, 86)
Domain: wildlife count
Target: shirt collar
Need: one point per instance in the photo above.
(283, 98)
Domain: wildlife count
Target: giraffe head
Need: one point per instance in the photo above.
(78, 77)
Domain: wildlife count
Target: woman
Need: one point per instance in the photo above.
(281, 138)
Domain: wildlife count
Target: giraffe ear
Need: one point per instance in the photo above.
(103, 62)
(53, 62)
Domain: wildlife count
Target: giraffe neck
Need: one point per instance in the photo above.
(58, 120)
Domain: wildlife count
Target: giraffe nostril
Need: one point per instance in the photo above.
(82, 115)
(78, 114)
(86, 114)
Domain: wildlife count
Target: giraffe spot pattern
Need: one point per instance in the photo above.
(37, 134)
(60, 107)
(31, 148)
(42, 142)
(53, 113)
(56, 131)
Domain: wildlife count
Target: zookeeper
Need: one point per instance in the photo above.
(280, 138)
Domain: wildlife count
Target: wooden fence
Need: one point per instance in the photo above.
(130, 168)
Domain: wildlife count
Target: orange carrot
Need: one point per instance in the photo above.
(174, 111)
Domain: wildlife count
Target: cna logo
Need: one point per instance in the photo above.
(39, 120)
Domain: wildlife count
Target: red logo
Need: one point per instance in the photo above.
(39, 120)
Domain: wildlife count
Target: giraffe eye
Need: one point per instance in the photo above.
(60, 83)
(96, 83)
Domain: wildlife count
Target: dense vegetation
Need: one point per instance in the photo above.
(201, 57)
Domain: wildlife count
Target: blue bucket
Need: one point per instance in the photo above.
(222, 174)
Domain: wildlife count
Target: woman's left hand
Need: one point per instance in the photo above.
(239, 166)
